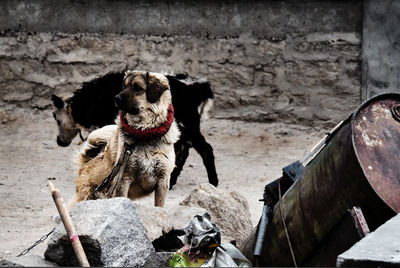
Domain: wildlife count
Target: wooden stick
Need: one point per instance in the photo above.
(69, 227)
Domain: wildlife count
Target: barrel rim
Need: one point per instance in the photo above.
(353, 116)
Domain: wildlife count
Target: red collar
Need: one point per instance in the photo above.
(151, 133)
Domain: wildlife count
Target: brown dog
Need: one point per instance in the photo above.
(145, 128)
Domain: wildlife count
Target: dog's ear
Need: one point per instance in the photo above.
(154, 88)
(58, 102)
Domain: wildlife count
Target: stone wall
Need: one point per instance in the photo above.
(266, 60)
(381, 47)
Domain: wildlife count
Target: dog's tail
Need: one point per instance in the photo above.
(96, 142)
(207, 100)
(90, 151)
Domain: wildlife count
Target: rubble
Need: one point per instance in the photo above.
(169, 241)
(158, 259)
(158, 219)
(118, 232)
(229, 210)
(110, 231)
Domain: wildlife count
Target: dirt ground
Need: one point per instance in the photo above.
(248, 156)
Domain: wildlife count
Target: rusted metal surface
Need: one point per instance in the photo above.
(337, 179)
(359, 221)
(341, 237)
(376, 137)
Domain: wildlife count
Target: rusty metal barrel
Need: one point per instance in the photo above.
(359, 166)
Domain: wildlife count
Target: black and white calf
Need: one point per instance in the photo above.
(92, 106)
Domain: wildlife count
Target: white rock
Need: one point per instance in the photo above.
(157, 219)
(111, 233)
(229, 210)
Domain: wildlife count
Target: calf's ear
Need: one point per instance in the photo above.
(57, 101)
(154, 88)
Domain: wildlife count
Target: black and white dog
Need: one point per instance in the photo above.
(92, 106)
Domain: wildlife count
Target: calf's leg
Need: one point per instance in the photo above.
(182, 147)
(206, 152)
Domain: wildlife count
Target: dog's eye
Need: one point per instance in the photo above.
(137, 88)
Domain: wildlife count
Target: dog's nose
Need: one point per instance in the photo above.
(118, 101)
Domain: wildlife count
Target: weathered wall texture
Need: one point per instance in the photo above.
(267, 60)
(381, 47)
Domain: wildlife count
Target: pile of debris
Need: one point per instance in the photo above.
(119, 232)
(319, 213)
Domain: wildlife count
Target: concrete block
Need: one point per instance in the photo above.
(379, 248)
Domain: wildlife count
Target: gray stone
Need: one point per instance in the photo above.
(27, 261)
(228, 210)
(379, 248)
(157, 219)
(203, 18)
(111, 233)
(18, 96)
(158, 259)
(381, 48)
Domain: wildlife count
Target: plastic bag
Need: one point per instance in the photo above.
(227, 255)
(203, 247)
(201, 238)
(185, 257)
